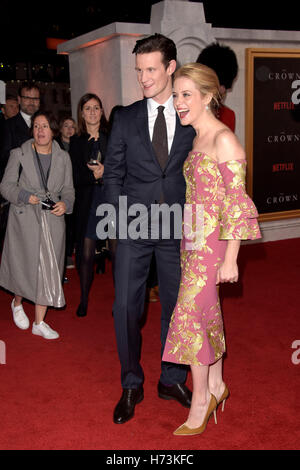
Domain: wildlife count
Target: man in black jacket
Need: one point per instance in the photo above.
(17, 129)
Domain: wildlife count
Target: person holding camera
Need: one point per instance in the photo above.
(87, 152)
(38, 183)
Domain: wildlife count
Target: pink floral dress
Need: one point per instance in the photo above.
(196, 334)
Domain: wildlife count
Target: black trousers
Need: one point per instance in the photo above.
(152, 280)
(133, 259)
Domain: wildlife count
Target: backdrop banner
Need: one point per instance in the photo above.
(273, 131)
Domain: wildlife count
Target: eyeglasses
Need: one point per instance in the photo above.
(29, 98)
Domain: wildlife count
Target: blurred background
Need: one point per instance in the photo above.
(30, 32)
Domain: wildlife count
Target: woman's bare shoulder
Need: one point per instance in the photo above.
(228, 146)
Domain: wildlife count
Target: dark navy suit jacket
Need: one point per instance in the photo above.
(131, 167)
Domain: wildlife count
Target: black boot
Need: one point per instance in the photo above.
(81, 310)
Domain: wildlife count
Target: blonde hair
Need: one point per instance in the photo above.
(205, 79)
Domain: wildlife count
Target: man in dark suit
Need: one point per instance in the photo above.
(17, 128)
(14, 132)
(145, 156)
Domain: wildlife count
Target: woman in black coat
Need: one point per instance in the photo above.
(87, 152)
(67, 128)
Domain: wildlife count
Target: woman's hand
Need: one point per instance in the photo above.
(97, 169)
(59, 208)
(228, 272)
(33, 199)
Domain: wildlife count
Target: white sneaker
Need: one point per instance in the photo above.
(19, 316)
(42, 329)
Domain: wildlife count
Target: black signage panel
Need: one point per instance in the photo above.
(273, 131)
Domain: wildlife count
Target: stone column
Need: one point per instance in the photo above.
(185, 23)
(102, 61)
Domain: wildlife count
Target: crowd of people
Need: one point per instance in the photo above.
(176, 145)
(36, 134)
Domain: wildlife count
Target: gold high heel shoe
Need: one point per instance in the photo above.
(223, 398)
(184, 430)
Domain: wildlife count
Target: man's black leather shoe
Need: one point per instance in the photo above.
(124, 410)
(178, 392)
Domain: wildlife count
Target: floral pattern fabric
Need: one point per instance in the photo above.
(196, 333)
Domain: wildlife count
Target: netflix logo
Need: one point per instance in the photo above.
(283, 105)
(283, 167)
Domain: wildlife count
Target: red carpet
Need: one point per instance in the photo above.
(61, 394)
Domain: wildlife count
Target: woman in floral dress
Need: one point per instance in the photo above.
(212, 231)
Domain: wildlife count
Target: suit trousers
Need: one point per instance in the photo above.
(133, 259)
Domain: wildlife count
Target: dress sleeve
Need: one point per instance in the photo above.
(238, 212)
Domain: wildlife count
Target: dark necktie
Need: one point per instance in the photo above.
(160, 138)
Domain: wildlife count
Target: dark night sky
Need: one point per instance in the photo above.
(25, 26)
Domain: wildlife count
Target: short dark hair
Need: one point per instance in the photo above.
(28, 86)
(157, 43)
(11, 97)
(222, 60)
(53, 124)
(66, 117)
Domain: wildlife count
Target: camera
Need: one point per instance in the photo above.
(48, 204)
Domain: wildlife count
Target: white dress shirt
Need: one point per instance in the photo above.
(170, 117)
(27, 118)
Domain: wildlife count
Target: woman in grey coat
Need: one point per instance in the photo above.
(38, 176)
